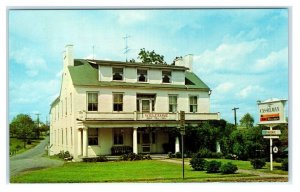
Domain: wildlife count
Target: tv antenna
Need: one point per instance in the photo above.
(126, 49)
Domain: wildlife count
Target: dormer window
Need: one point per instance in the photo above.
(117, 74)
(142, 75)
(166, 76)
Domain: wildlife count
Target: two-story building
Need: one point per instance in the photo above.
(111, 107)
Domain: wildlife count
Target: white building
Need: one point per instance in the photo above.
(112, 107)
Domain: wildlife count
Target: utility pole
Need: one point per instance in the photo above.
(234, 109)
(38, 125)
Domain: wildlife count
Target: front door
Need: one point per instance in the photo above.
(146, 143)
(146, 106)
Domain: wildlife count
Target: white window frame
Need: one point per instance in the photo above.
(192, 111)
(170, 77)
(146, 75)
(176, 104)
(87, 101)
(113, 73)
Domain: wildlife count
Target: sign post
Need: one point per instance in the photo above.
(182, 132)
(271, 113)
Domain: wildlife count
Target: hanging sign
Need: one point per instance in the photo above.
(271, 111)
(270, 132)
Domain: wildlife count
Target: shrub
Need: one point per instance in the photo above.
(258, 163)
(205, 153)
(216, 155)
(198, 163)
(228, 168)
(171, 155)
(285, 165)
(213, 166)
(100, 158)
(178, 155)
(134, 157)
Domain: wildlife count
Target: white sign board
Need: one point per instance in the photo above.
(271, 132)
(271, 137)
(272, 111)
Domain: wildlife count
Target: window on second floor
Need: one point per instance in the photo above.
(166, 76)
(118, 102)
(92, 101)
(172, 103)
(142, 75)
(193, 104)
(117, 73)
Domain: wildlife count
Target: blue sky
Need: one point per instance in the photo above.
(241, 54)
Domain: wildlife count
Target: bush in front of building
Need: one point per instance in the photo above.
(134, 157)
(285, 165)
(258, 163)
(100, 158)
(228, 168)
(198, 163)
(213, 166)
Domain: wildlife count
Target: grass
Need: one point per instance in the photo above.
(127, 171)
(14, 143)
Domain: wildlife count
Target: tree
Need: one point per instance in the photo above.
(151, 57)
(247, 121)
(23, 126)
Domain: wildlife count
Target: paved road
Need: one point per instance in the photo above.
(32, 159)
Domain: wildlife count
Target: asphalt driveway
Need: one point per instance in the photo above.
(32, 159)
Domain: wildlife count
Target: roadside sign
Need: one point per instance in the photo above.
(272, 111)
(275, 149)
(182, 118)
(271, 137)
(270, 132)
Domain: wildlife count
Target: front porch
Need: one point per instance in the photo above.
(95, 141)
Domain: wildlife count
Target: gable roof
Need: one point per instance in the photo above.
(83, 73)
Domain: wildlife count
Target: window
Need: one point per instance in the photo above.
(92, 101)
(173, 103)
(93, 136)
(70, 103)
(118, 102)
(118, 74)
(166, 76)
(142, 75)
(66, 136)
(66, 103)
(71, 137)
(118, 136)
(193, 104)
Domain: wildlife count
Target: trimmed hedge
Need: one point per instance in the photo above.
(213, 166)
(198, 163)
(228, 168)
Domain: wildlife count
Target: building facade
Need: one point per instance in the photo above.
(111, 107)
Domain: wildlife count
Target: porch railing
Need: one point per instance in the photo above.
(84, 115)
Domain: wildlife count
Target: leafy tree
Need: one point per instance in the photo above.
(247, 121)
(151, 57)
(22, 126)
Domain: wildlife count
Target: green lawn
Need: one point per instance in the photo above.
(128, 171)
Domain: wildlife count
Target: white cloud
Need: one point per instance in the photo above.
(272, 61)
(131, 17)
(227, 57)
(224, 87)
(32, 61)
(249, 90)
(32, 91)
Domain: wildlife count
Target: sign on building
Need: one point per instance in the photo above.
(271, 111)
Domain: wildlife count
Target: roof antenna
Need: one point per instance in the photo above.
(126, 49)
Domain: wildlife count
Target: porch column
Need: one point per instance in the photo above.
(79, 142)
(84, 142)
(177, 145)
(134, 140)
